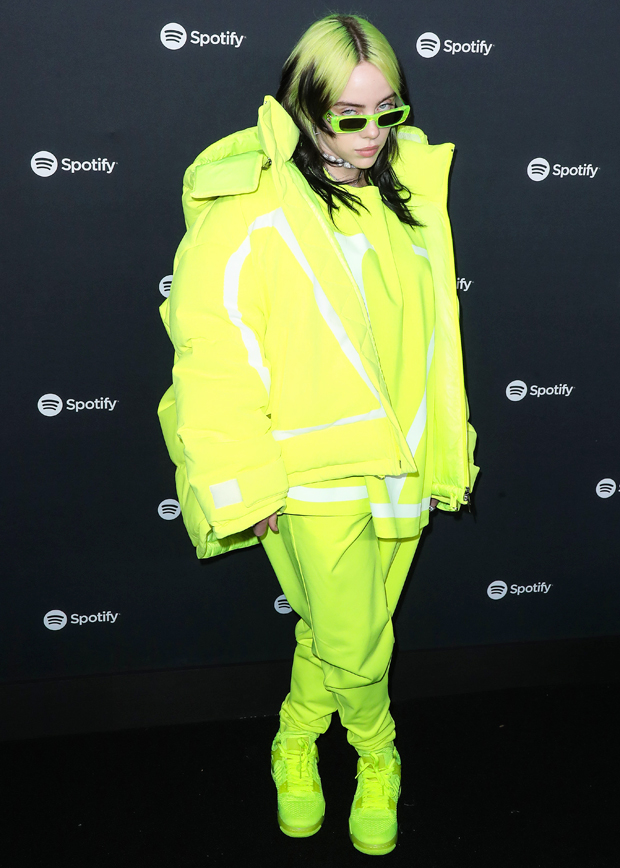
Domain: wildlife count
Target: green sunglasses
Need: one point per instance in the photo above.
(357, 123)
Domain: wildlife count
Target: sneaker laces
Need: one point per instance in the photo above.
(299, 764)
(379, 784)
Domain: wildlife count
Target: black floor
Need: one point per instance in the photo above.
(512, 779)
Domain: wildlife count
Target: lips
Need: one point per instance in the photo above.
(367, 152)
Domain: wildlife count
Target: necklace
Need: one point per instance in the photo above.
(337, 161)
(353, 182)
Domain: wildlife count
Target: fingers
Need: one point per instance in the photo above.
(261, 526)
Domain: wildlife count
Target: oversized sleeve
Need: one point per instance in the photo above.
(221, 379)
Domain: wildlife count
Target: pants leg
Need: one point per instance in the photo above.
(309, 705)
(344, 583)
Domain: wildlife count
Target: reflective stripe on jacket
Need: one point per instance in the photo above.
(276, 378)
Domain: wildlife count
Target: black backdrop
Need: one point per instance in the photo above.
(85, 249)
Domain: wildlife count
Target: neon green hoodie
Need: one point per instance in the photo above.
(277, 381)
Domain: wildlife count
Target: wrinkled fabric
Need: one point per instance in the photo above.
(277, 380)
(393, 272)
(344, 583)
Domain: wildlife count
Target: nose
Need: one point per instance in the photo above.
(371, 130)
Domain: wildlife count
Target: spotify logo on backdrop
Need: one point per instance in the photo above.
(282, 605)
(428, 44)
(173, 36)
(169, 509)
(49, 405)
(44, 164)
(516, 391)
(606, 487)
(497, 590)
(164, 285)
(538, 169)
(55, 619)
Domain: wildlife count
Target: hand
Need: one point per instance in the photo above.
(433, 504)
(261, 526)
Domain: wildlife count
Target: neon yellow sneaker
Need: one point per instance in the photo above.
(294, 768)
(373, 826)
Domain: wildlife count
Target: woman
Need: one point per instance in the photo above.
(318, 400)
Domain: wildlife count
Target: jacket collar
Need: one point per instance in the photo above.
(277, 132)
(423, 168)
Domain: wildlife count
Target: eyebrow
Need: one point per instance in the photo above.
(342, 102)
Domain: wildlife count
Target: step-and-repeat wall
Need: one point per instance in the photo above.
(104, 106)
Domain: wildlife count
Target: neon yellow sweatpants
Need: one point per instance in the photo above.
(344, 583)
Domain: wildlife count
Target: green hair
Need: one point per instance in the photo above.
(314, 77)
(332, 48)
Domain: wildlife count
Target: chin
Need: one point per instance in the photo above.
(364, 162)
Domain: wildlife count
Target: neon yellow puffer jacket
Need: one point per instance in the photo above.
(276, 378)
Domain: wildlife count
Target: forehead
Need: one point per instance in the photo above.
(366, 86)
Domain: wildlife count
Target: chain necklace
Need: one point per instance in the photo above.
(352, 182)
(337, 161)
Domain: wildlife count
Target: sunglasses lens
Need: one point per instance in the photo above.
(390, 119)
(351, 125)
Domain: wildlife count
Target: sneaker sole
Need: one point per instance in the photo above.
(373, 849)
(303, 832)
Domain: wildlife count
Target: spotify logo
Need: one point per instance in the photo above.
(169, 509)
(282, 605)
(497, 590)
(49, 405)
(44, 164)
(428, 44)
(164, 285)
(55, 619)
(173, 36)
(606, 487)
(538, 169)
(516, 391)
